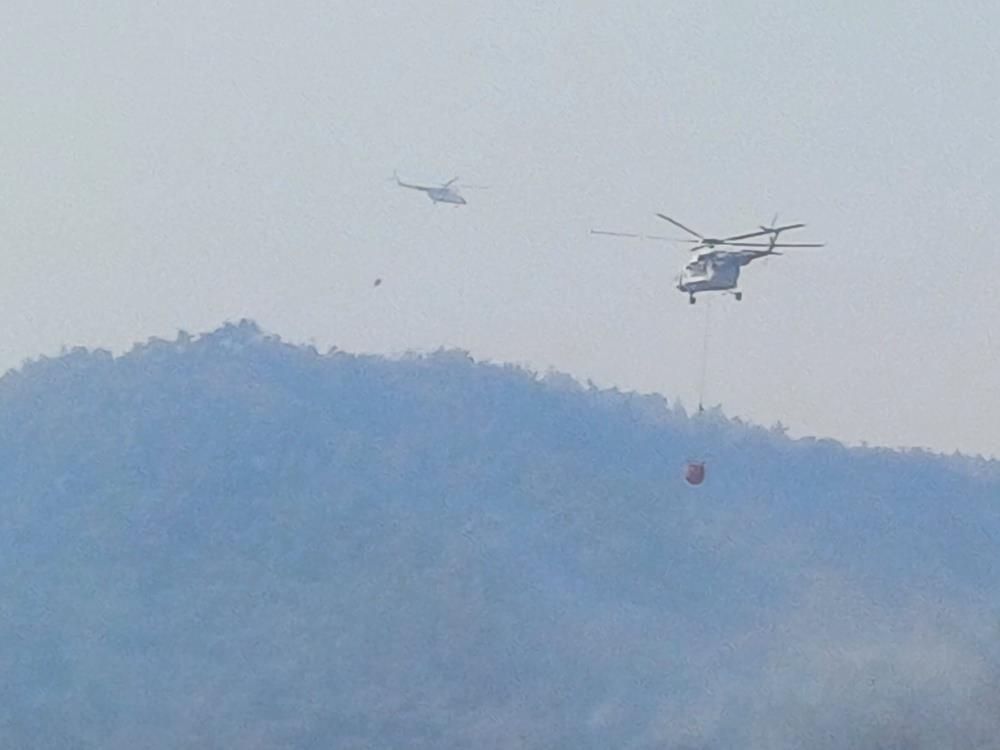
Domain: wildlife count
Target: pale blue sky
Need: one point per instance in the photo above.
(173, 165)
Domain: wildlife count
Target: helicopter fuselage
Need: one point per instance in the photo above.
(716, 271)
(437, 193)
(444, 195)
(709, 274)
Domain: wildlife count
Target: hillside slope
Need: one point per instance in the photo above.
(232, 542)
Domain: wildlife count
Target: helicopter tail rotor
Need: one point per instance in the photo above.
(773, 239)
(772, 227)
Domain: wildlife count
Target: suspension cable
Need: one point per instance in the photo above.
(704, 358)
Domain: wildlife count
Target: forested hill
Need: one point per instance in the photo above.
(231, 542)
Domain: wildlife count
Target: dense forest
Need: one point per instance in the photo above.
(228, 541)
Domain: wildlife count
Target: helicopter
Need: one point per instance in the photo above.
(445, 193)
(716, 268)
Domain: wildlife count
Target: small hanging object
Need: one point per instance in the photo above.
(694, 474)
(378, 282)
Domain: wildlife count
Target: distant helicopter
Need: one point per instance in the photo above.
(714, 268)
(445, 193)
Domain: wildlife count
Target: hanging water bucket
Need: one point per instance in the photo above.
(694, 473)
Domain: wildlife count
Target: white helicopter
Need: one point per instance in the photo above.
(715, 268)
(445, 193)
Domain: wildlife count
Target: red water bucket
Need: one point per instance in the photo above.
(694, 473)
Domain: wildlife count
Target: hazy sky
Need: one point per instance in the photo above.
(172, 165)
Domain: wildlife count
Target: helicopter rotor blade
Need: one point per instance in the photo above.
(746, 236)
(615, 234)
(769, 244)
(678, 224)
(634, 235)
(764, 231)
(743, 244)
